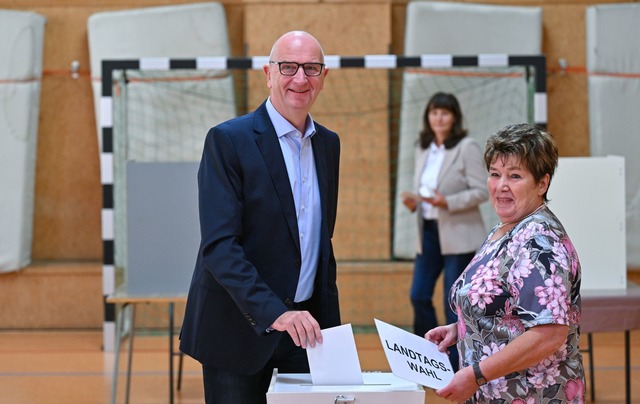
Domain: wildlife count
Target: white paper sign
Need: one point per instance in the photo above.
(414, 358)
(335, 362)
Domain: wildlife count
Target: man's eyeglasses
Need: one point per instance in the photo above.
(291, 68)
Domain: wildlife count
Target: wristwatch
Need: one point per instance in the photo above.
(480, 379)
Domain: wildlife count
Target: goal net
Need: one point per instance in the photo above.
(162, 116)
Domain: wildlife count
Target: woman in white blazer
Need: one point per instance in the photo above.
(450, 182)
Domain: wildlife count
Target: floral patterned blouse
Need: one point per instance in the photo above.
(529, 277)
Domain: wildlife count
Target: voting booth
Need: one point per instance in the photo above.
(378, 388)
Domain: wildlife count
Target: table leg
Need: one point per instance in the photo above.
(627, 365)
(130, 354)
(171, 352)
(180, 358)
(592, 377)
(116, 365)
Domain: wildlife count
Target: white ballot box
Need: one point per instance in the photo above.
(378, 388)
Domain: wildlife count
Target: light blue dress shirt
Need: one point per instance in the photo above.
(298, 157)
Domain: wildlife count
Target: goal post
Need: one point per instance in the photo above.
(159, 109)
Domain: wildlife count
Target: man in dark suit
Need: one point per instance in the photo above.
(264, 283)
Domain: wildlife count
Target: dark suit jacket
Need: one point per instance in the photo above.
(249, 259)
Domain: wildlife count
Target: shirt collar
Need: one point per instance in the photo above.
(435, 148)
(284, 127)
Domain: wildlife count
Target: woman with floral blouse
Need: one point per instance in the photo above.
(518, 301)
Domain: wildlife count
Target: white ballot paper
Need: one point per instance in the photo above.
(335, 361)
(414, 358)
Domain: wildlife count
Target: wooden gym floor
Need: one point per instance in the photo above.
(69, 367)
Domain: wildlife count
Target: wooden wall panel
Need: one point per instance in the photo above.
(68, 193)
(568, 109)
(380, 290)
(355, 106)
(46, 296)
(353, 103)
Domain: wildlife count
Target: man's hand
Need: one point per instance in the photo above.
(303, 328)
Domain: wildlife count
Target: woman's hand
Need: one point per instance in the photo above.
(410, 204)
(438, 200)
(461, 387)
(443, 336)
(410, 200)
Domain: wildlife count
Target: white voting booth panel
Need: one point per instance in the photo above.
(378, 388)
(587, 195)
(20, 72)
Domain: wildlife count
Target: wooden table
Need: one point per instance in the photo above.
(611, 311)
(123, 300)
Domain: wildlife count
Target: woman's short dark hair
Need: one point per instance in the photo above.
(450, 103)
(529, 144)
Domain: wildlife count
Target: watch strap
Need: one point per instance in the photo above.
(480, 379)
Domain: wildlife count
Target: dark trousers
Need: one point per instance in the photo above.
(427, 269)
(224, 387)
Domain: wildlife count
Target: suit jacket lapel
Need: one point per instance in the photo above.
(421, 160)
(267, 142)
(318, 143)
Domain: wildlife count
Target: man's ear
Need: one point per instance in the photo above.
(266, 71)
